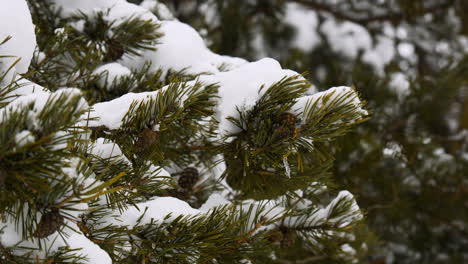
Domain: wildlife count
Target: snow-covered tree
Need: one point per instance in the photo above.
(124, 139)
(408, 165)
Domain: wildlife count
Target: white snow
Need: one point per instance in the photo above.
(354, 214)
(333, 93)
(160, 9)
(399, 84)
(442, 155)
(111, 113)
(349, 39)
(26, 87)
(117, 10)
(38, 100)
(79, 25)
(10, 237)
(381, 54)
(86, 247)
(181, 48)
(70, 7)
(406, 49)
(392, 150)
(286, 167)
(325, 214)
(123, 10)
(346, 38)
(15, 21)
(105, 150)
(215, 199)
(110, 74)
(23, 138)
(240, 88)
(157, 210)
(346, 248)
(306, 23)
(271, 210)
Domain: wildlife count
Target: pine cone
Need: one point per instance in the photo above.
(188, 178)
(288, 120)
(147, 138)
(49, 224)
(275, 236)
(289, 238)
(283, 132)
(286, 127)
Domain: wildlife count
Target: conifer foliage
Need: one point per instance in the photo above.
(123, 139)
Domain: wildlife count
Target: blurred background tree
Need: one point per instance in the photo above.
(408, 58)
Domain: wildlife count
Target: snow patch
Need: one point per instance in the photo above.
(181, 49)
(16, 21)
(157, 210)
(111, 113)
(23, 138)
(332, 93)
(399, 84)
(305, 22)
(346, 38)
(110, 74)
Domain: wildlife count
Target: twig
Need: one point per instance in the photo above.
(25, 182)
(257, 226)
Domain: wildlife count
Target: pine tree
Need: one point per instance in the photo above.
(126, 140)
(408, 59)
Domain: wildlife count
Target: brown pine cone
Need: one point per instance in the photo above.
(275, 236)
(147, 138)
(289, 120)
(188, 178)
(289, 238)
(50, 222)
(283, 132)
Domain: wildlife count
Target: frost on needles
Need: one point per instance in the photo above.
(124, 139)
